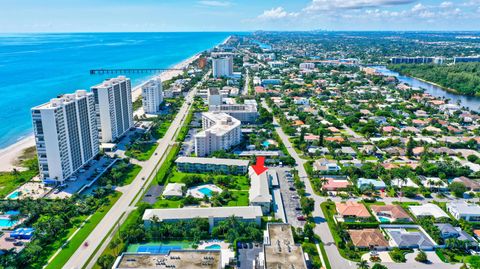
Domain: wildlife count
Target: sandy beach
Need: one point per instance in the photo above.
(9, 155)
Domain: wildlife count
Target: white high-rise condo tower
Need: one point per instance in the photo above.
(222, 66)
(113, 103)
(66, 134)
(152, 96)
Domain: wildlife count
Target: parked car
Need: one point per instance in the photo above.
(302, 218)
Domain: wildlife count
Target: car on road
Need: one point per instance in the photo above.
(298, 208)
(292, 188)
(295, 197)
(301, 218)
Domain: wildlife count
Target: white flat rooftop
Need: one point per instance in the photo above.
(214, 161)
(245, 212)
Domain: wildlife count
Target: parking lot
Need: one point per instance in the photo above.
(291, 199)
(82, 178)
(188, 145)
(247, 253)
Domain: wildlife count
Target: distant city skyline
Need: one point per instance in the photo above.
(236, 15)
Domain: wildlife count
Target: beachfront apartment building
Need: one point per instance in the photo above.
(152, 96)
(212, 165)
(222, 66)
(220, 132)
(113, 105)
(66, 135)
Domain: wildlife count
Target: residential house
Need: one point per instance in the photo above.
(390, 213)
(352, 209)
(464, 210)
(376, 183)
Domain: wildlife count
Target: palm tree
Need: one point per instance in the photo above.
(363, 264)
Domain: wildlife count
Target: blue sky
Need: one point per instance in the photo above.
(236, 15)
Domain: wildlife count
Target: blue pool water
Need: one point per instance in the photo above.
(266, 144)
(206, 191)
(12, 212)
(37, 67)
(14, 195)
(158, 249)
(214, 246)
(7, 223)
(383, 219)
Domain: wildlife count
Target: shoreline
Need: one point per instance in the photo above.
(10, 153)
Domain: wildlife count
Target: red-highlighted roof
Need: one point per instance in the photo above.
(259, 167)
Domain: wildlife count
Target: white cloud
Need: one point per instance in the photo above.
(276, 13)
(214, 3)
(418, 8)
(446, 4)
(325, 5)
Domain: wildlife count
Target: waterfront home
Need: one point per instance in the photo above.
(428, 210)
(352, 209)
(368, 239)
(464, 210)
(390, 213)
(376, 183)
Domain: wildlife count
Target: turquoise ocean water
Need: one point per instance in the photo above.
(37, 67)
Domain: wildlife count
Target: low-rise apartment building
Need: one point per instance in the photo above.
(212, 165)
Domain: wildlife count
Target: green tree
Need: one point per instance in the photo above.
(105, 261)
(458, 189)
(379, 266)
(421, 257)
(363, 264)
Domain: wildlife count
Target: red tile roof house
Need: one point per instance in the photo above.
(394, 213)
(333, 184)
(352, 209)
(368, 238)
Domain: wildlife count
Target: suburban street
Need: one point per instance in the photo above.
(322, 229)
(83, 253)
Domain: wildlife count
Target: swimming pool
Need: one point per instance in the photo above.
(158, 248)
(206, 191)
(266, 144)
(7, 223)
(214, 246)
(383, 219)
(14, 195)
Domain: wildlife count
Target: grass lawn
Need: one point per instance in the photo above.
(164, 169)
(325, 257)
(165, 203)
(81, 235)
(143, 151)
(130, 175)
(115, 251)
(240, 198)
(241, 182)
(159, 132)
(9, 181)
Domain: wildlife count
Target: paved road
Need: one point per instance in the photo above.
(322, 229)
(82, 254)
